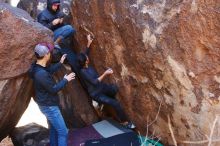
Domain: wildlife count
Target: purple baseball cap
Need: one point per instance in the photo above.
(43, 48)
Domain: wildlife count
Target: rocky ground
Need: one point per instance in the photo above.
(6, 142)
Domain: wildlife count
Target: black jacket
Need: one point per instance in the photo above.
(90, 78)
(48, 15)
(46, 88)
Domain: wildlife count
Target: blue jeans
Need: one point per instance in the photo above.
(58, 129)
(64, 32)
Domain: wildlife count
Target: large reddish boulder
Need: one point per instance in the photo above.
(19, 35)
(161, 52)
(15, 95)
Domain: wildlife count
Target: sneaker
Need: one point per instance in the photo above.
(130, 125)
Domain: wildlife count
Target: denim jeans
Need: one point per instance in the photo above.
(58, 129)
(107, 96)
(64, 32)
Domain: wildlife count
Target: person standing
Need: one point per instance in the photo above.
(46, 90)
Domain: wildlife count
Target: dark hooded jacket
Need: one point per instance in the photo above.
(48, 15)
(89, 78)
(46, 88)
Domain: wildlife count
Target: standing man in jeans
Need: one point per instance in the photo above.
(101, 92)
(46, 90)
(52, 18)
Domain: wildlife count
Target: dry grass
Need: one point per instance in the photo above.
(147, 136)
(210, 138)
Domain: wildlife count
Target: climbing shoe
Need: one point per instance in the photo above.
(130, 125)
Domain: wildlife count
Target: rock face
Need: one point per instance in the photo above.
(5, 1)
(161, 52)
(17, 51)
(29, 6)
(15, 95)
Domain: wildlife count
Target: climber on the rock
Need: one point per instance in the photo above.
(72, 58)
(52, 18)
(99, 91)
(46, 90)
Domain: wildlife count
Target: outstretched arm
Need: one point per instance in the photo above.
(47, 82)
(89, 42)
(53, 68)
(107, 72)
(95, 81)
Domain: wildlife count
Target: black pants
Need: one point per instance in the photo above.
(107, 96)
